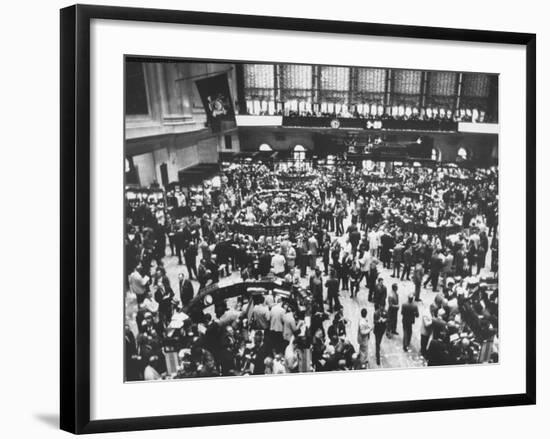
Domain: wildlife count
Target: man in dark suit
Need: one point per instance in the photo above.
(179, 241)
(186, 290)
(332, 285)
(436, 264)
(380, 294)
(397, 259)
(380, 323)
(133, 364)
(387, 243)
(258, 353)
(409, 313)
(438, 354)
(407, 262)
(354, 238)
(190, 255)
(264, 263)
(372, 276)
(203, 274)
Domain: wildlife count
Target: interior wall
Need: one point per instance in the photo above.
(208, 150)
(163, 93)
(148, 164)
(235, 143)
(145, 165)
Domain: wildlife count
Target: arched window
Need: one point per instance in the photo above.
(462, 153)
(265, 147)
(436, 155)
(299, 153)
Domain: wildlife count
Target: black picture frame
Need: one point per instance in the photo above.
(75, 217)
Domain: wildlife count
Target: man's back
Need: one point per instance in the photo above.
(260, 316)
(312, 244)
(418, 273)
(289, 326)
(186, 290)
(332, 286)
(278, 262)
(398, 253)
(276, 318)
(409, 311)
(393, 300)
(137, 283)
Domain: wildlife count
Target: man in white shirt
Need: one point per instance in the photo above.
(260, 315)
(149, 303)
(374, 242)
(276, 326)
(312, 251)
(137, 283)
(292, 356)
(278, 262)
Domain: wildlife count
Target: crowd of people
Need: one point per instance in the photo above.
(374, 112)
(345, 232)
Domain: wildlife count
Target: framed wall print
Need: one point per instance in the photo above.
(292, 219)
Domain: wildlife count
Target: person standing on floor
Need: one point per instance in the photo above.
(186, 290)
(316, 287)
(380, 294)
(278, 264)
(363, 336)
(355, 276)
(312, 249)
(418, 275)
(409, 313)
(138, 283)
(425, 330)
(332, 285)
(372, 276)
(407, 262)
(436, 264)
(380, 325)
(374, 242)
(397, 257)
(302, 256)
(326, 254)
(393, 309)
(276, 326)
(190, 256)
(345, 270)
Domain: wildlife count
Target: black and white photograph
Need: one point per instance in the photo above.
(303, 218)
(275, 219)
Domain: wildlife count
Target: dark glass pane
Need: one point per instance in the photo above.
(136, 95)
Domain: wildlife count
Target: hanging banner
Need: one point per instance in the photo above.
(216, 99)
